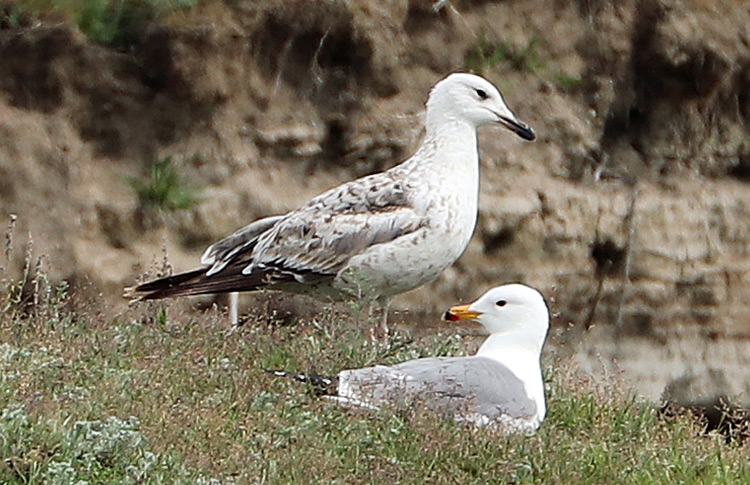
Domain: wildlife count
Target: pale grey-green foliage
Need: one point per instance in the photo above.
(80, 452)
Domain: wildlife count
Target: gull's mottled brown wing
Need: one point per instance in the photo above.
(322, 236)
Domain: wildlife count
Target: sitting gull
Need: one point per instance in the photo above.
(500, 385)
(374, 237)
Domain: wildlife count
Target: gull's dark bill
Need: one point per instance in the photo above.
(518, 127)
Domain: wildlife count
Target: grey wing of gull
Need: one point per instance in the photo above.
(319, 238)
(221, 253)
(452, 384)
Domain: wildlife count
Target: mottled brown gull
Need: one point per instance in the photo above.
(500, 385)
(374, 237)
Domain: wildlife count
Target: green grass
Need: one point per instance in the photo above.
(567, 82)
(164, 395)
(164, 188)
(485, 55)
(116, 23)
(11, 16)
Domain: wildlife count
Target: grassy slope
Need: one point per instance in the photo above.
(166, 397)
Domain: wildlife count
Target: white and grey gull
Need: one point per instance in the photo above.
(501, 385)
(374, 237)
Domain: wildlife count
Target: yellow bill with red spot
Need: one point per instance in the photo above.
(461, 312)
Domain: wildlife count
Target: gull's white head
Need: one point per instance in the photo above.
(472, 99)
(507, 308)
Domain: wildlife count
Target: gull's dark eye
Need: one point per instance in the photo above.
(482, 94)
(501, 303)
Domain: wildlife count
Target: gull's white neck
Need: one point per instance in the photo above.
(451, 143)
(499, 343)
(520, 351)
(451, 130)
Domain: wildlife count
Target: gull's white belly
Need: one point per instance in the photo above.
(417, 258)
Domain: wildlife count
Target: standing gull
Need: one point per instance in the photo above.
(502, 384)
(374, 237)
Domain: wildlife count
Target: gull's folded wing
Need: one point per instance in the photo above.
(457, 385)
(322, 236)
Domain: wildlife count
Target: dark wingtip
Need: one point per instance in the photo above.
(321, 385)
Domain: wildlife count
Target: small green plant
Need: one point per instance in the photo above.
(164, 188)
(117, 23)
(161, 317)
(11, 16)
(486, 54)
(567, 82)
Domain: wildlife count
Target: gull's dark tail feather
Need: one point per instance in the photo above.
(321, 385)
(196, 282)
